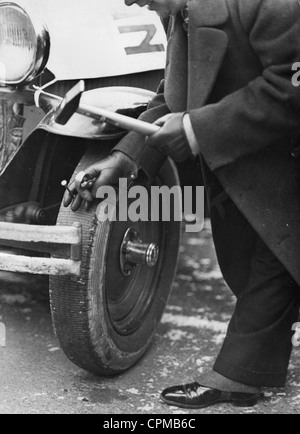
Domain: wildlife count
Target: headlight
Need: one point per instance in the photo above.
(24, 45)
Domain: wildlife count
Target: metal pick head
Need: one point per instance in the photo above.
(69, 104)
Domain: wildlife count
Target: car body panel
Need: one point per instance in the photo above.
(99, 38)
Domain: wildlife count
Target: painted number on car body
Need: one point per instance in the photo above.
(145, 46)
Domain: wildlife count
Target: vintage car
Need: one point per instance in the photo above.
(109, 280)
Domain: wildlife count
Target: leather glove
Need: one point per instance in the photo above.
(106, 172)
(171, 139)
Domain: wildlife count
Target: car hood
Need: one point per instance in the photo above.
(99, 38)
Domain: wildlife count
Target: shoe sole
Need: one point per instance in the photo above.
(248, 403)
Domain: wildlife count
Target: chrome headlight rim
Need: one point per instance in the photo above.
(42, 51)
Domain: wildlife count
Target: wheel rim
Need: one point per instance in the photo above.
(129, 296)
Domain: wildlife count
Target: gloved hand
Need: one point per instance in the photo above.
(106, 172)
(171, 139)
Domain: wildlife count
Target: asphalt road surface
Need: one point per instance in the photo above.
(37, 378)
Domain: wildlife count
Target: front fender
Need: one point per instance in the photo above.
(129, 101)
(51, 152)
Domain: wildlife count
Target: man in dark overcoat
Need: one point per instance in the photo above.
(229, 96)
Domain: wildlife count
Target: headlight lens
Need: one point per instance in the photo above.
(24, 46)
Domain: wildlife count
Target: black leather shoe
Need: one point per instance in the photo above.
(195, 396)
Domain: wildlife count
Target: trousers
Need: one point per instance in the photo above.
(258, 345)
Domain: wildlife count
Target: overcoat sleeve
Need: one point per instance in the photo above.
(267, 111)
(134, 144)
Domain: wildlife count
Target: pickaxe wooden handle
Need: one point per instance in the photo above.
(70, 104)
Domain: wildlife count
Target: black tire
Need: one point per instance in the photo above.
(105, 321)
